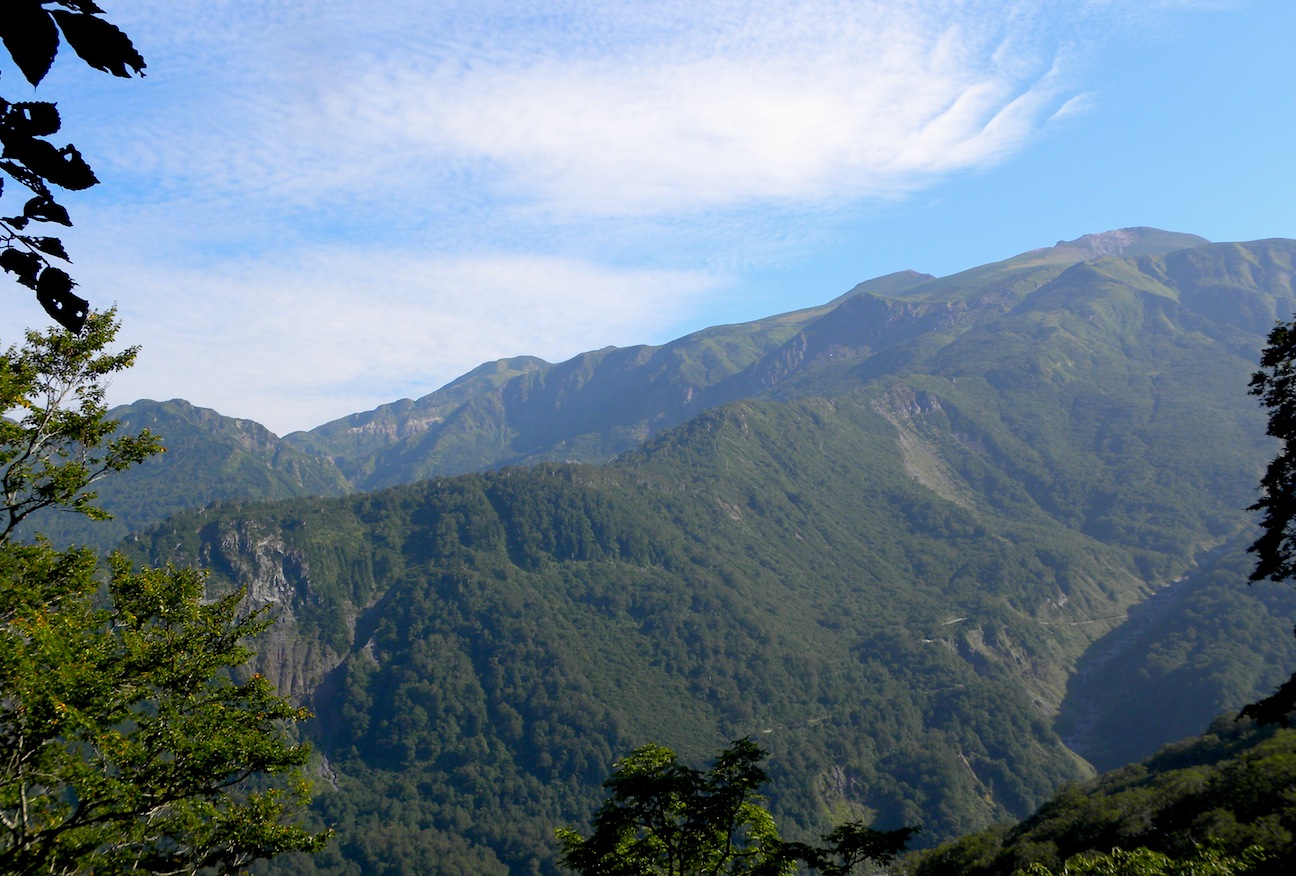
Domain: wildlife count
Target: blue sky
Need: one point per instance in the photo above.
(312, 207)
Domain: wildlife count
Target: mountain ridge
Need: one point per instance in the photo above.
(887, 564)
(601, 403)
(518, 407)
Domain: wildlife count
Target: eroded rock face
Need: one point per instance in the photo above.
(277, 579)
(272, 572)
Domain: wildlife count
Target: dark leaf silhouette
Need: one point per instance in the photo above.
(85, 6)
(48, 245)
(44, 209)
(99, 43)
(63, 167)
(30, 33)
(32, 119)
(25, 264)
(30, 36)
(54, 292)
(24, 176)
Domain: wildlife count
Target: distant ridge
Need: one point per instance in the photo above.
(602, 403)
(209, 457)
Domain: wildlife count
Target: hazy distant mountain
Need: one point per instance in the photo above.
(208, 457)
(880, 536)
(587, 409)
(513, 411)
(605, 402)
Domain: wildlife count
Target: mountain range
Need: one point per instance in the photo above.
(940, 544)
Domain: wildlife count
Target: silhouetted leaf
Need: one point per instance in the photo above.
(32, 119)
(48, 245)
(25, 176)
(25, 264)
(54, 292)
(30, 36)
(83, 6)
(74, 173)
(63, 167)
(46, 210)
(99, 43)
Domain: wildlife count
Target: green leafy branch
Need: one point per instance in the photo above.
(60, 442)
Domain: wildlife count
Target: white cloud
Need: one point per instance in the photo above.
(590, 108)
(313, 206)
(292, 344)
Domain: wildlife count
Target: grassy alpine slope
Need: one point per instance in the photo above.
(884, 568)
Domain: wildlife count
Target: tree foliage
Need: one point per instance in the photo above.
(61, 441)
(1275, 549)
(127, 747)
(1275, 385)
(851, 845)
(130, 739)
(30, 30)
(663, 818)
(1145, 862)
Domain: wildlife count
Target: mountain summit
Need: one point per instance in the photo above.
(1129, 242)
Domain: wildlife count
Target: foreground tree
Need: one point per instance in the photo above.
(1145, 862)
(30, 30)
(130, 738)
(127, 747)
(663, 818)
(851, 845)
(1275, 549)
(60, 442)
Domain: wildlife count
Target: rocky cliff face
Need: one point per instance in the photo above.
(277, 577)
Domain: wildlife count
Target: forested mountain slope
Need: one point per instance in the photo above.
(884, 569)
(503, 636)
(1202, 647)
(1227, 790)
